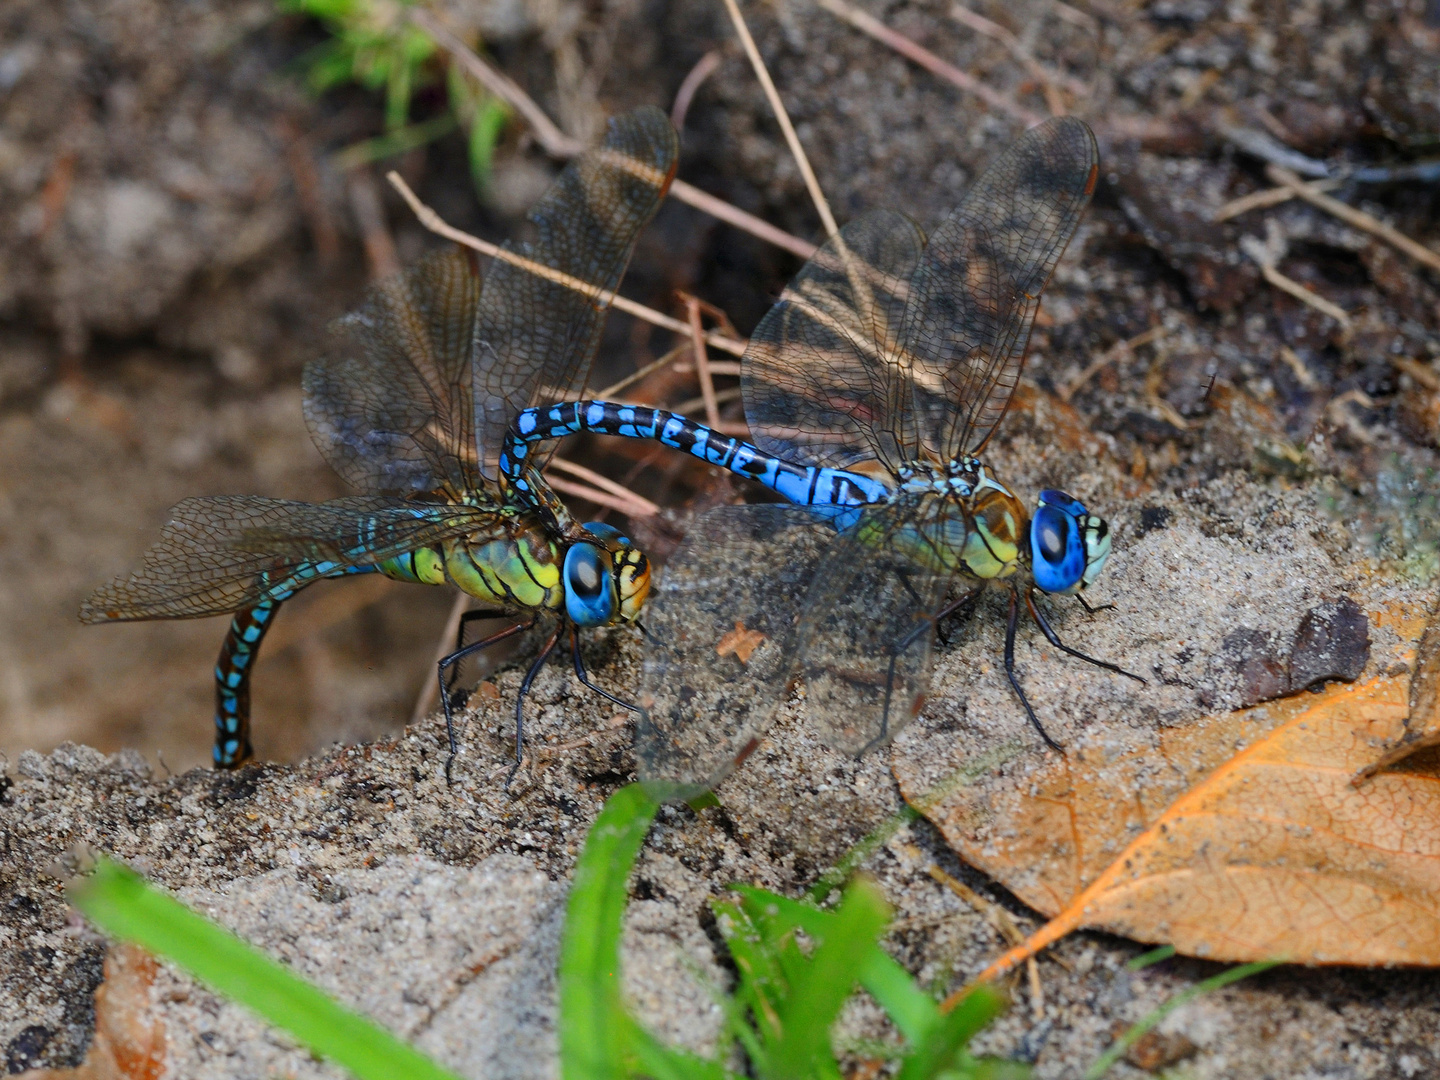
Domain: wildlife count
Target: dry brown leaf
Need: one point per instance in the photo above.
(129, 1042)
(1179, 839)
(741, 642)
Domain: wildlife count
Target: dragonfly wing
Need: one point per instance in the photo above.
(823, 382)
(537, 337)
(865, 637)
(390, 407)
(976, 291)
(221, 554)
(719, 658)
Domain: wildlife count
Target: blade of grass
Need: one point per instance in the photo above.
(593, 1043)
(946, 1040)
(1154, 956)
(821, 986)
(1131, 1037)
(909, 1008)
(124, 905)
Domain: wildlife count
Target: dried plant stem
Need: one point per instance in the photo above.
(1351, 216)
(557, 144)
(702, 363)
(1261, 200)
(827, 219)
(430, 685)
(1047, 76)
(868, 24)
(436, 224)
(642, 506)
(1108, 357)
(1304, 295)
(600, 498)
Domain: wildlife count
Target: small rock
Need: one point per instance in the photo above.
(1333, 642)
(1256, 656)
(1155, 1050)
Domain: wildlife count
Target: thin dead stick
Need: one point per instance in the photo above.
(1042, 73)
(1004, 924)
(721, 397)
(1425, 376)
(1304, 295)
(436, 224)
(370, 215)
(1351, 216)
(635, 376)
(1261, 200)
(629, 506)
(604, 483)
(557, 144)
(1109, 356)
(430, 686)
(702, 70)
(868, 24)
(827, 219)
(702, 362)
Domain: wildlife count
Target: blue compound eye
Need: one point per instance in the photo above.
(589, 585)
(1057, 550)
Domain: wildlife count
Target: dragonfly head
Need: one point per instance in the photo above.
(1068, 544)
(607, 578)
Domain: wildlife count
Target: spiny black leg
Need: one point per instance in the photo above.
(466, 618)
(1054, 639)
(1010, 625)
(951, 608)
(451, 661)
(1092, 610)
(584, 678)
(520, 702)
(644, 633)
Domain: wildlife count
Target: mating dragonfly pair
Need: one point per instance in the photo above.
(871, 388)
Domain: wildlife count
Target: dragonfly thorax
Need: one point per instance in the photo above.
(967, 522)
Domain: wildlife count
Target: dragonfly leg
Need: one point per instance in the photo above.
(585, 678)
(451, 661)
(466, 618)
(1010, 624)
(951, 608)
(1092, 610)
(520, 701)
(1054, 639)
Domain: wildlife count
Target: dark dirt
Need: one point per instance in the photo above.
(174, 237)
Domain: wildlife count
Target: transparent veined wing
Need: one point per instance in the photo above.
(536, 337)
(390, 406)
(219, 554)
(719, 658)
(974, 296)
(865, 637)
(823, 380)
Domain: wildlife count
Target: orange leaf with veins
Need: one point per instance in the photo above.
(1283, 849)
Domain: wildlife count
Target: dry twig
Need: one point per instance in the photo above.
(436, 224)
(703, 69)
(1351, 216)
(557, 144)
(1109, 356)
(827, 219)
(1049, 79)
(918, 54)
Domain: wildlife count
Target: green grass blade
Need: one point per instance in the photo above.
(593, 1027)
(910, 1009)
(1154, 956)
(1131, 1037)
(124, 905)
(820, 987)
(941, 1047)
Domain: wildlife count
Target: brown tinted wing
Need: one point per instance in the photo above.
(974, 296)
(536, 337)
(390, 407)
(823, 380)
(218, 555)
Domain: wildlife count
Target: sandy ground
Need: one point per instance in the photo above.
(143, 362)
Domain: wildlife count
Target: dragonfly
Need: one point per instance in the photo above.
(411, 408)
(871, 388)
